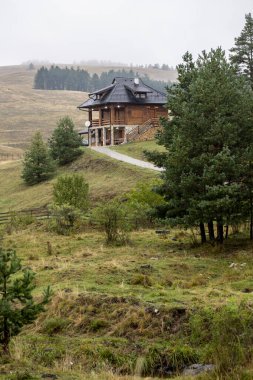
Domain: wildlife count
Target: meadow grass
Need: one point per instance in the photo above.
(136, 149)
(24, 110)
(102, 308)
(107, 178)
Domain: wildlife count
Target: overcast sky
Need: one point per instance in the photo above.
(129, 31)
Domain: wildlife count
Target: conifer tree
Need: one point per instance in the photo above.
(65, 142)
(242, 52)
(206, 142)
(17, 306)
(38, 165)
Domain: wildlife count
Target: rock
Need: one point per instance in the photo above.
(232, 265)
(68, 290)
(247, 290)
(48, 267)
(146, 266)
(196, 369)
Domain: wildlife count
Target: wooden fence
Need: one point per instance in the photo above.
(11, 156)
(36, 213)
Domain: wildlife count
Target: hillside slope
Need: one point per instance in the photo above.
(107, 178)
(23, 110)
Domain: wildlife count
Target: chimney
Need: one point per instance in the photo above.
(136, 81)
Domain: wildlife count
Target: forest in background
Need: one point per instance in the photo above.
(56, 78)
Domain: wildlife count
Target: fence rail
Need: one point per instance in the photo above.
(11, 156)
(37, 213)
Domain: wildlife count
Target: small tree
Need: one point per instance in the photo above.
(71, 189)
(114, 220)
(17, 306)
(70, 196)
(38, 165)
(65, 142)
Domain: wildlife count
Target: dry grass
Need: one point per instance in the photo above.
(23, 110)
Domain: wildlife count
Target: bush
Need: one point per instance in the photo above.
(66, 217)
(71, 189)
(114, 220)
(70, 197)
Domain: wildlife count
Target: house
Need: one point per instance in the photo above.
(122, 111)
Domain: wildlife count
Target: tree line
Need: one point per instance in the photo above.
(56, 78)
(208, 163)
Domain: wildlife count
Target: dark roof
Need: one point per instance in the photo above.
(123, 90)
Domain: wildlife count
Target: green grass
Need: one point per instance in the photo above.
(136, 149)
(107, 178)
(108, 312)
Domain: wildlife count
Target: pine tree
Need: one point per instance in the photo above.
(38, 165)
(206, 140)
(17, 306)
(65, 142)
(242, 53)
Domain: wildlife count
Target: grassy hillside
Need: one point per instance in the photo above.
(107, 178)
(120, 309)
(24, 110)
(136, 149)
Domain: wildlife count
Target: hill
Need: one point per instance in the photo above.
(107, 178)
(23, 110)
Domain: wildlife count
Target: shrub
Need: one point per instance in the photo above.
(65, 218)
(71, 189)
(114, 220)
(70, 197)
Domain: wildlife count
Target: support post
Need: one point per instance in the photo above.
(112, 135)
(96, 137)
(104, 136)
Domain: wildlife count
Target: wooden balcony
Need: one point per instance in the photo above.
(106, 123)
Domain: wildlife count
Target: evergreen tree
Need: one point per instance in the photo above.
(242, 53)
(17, 306)
(38, 165)
(206, 140)
(65, 142)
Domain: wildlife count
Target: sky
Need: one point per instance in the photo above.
(127, 31)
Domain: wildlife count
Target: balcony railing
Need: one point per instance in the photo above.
(119, 121)
(104, 122)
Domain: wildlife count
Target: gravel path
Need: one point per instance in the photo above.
(124, 158)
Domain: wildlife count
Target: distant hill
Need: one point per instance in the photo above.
(23, 110)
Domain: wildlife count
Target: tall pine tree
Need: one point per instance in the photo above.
(242, 52)
(206, 138)
(38, 165)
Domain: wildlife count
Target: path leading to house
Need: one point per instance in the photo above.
(124, 158)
